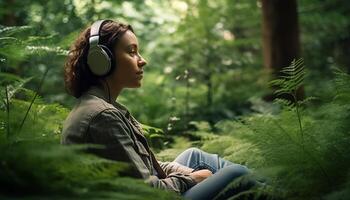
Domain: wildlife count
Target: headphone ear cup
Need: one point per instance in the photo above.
(111, 58)
(99, 60)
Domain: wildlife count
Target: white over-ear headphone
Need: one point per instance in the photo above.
(100, 59)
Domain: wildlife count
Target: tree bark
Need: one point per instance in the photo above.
(280, 29)
(10, 18)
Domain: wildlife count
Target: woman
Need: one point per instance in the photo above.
(102, 62)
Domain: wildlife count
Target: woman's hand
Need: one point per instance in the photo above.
(200, 175)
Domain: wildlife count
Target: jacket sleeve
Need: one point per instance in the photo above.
(108, 129)
(170, 167)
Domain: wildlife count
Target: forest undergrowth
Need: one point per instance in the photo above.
(300, 149)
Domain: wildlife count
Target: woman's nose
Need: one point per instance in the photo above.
(141, 62)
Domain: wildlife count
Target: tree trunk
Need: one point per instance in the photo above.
(10, 18)
(342, 53)
(280, 31)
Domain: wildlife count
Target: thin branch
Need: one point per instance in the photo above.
(299, 118)
(7, 104)
(32, 102)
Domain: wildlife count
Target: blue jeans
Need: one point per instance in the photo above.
(224, 172)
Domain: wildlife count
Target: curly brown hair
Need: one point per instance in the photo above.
(77, 75)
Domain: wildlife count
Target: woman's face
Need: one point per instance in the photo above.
(129, 70)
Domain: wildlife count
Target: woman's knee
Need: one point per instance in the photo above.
(189, 157)
(193, 151)
(237, 170)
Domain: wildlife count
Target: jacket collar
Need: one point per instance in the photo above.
(100, 93)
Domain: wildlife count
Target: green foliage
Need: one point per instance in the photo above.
(342, 86)
(204, 65)
(15, 48)
(291, 79)
(210, 40)
(155, 136)
(309, 166)
(43, 168)
(325, 35)
(196, 59)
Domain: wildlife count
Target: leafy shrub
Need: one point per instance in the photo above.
(302, 152)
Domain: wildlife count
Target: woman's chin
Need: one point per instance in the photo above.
(136, 85)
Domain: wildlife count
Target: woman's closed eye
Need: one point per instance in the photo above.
(133, 52)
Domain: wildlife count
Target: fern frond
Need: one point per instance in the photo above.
(7, 40)
(8, 77)
(10, 30)
(15, 87)
(150, 130)
(284, 103)
(291, 78)
(307, 100)
(342, 82)
(42, 50)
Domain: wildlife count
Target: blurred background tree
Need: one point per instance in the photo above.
(281, 43)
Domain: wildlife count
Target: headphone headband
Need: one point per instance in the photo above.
(95, 28)
(95, 31)
(99, 57)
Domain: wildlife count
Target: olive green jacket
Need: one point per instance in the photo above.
(95, 121)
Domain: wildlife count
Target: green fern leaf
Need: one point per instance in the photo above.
(291, 79)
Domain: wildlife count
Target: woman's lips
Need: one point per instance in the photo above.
(140, 74)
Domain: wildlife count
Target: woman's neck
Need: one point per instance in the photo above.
(112, 90)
